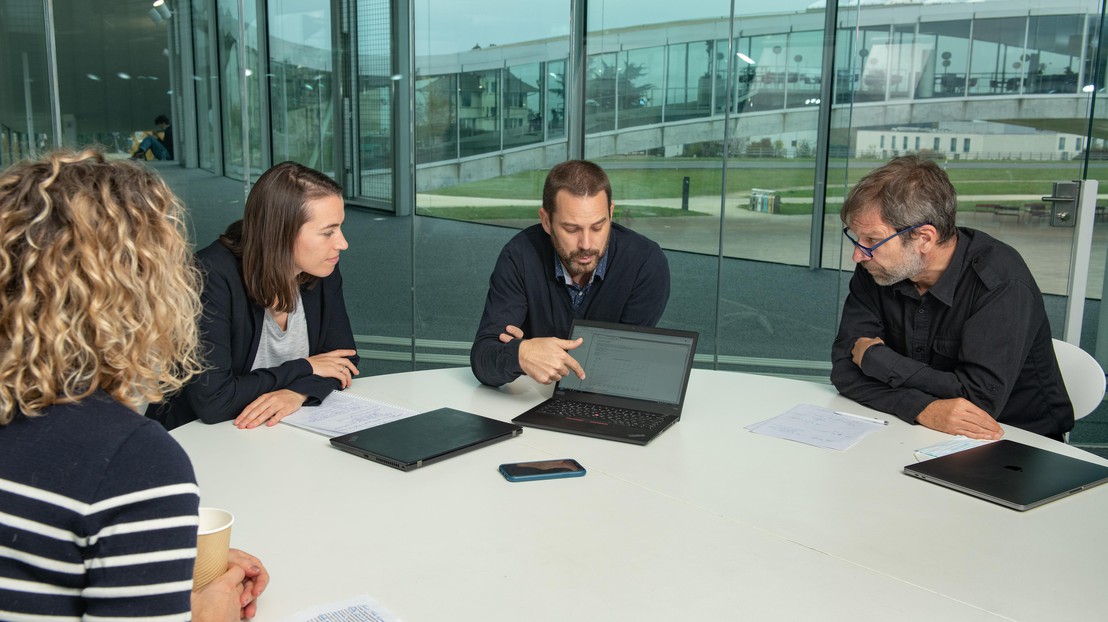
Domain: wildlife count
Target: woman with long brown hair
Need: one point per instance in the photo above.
(275, 331)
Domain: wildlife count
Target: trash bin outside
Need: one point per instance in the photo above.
(765, 201)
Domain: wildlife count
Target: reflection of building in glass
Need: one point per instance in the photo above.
(491, 119)
(517, 111)
(898, 66)
(968, 141)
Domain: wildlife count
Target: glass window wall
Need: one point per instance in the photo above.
(689, 80)
(806, 58)
(371, 121)
(742, 82)
(1055, 44)
(555, 81)
(602, 83)
(26, 100)
(205, 81)
(301, 83)
(436, 109)
(479, 112)
(998, 52)
(771, 56)
(640, 87)
(490, 119)
(241, 96)
(524, 86)
(727, 190)
(943, 49)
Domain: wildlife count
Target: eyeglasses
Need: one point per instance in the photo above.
(868, 250)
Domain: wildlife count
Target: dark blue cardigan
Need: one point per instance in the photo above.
(524, 292)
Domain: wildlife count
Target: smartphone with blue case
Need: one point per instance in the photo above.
(541, 469)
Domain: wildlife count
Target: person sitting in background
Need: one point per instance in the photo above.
(98, 311)
(159, 142)
(275, 330)
(943, 326)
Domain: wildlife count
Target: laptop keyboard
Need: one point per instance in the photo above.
(604, 415)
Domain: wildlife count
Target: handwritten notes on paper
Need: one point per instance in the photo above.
(343, 413)
(814, 425)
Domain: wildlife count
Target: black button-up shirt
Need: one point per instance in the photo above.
(980, 333)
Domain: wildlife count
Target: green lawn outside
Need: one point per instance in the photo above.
(641, 184)
(794, 209)
(741, 176)
(745, 175)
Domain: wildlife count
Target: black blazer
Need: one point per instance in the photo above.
(230, 330)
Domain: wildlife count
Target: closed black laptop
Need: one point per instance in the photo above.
(425, 438)
(1012, 474)
(634, 386)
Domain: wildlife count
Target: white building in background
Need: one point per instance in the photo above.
(971, 140)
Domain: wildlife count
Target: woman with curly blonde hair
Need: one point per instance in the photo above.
(98, 314)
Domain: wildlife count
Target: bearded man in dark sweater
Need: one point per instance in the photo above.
(576, 264)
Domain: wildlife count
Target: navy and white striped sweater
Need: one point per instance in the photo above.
(98, 516)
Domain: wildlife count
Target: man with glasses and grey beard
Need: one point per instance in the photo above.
(943, 326)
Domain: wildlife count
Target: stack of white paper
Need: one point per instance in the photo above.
(821, 427)
(343, 413)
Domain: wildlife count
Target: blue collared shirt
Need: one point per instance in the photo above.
(576, 292)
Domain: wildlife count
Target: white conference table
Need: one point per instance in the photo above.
(708, 522)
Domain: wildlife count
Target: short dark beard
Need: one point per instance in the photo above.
(568, 262)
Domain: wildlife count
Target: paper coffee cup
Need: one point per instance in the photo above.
(212, 544)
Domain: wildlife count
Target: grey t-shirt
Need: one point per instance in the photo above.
(279, 346)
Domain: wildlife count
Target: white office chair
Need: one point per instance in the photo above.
(1083, 376)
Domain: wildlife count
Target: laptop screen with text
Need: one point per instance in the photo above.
(637, 365)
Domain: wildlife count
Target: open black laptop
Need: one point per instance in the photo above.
(634, 386)
(1012, 474)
